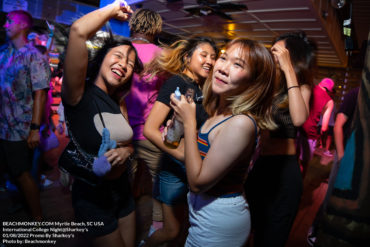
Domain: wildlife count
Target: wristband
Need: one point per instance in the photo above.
(292, 87)
(34, 126)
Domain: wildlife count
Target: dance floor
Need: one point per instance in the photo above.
(56, 200)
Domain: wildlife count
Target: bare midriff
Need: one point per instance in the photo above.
(277, 146)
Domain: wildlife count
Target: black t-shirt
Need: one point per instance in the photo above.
(183, 82)
(348, 108)
(86, 125)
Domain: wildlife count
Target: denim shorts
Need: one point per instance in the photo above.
(171, 186)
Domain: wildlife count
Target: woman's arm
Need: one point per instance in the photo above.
(152, 132)
(230, 144)
(77, 55)
(299, 97)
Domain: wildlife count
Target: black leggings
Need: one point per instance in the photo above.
(273, 189)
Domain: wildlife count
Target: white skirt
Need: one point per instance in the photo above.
(218, 222)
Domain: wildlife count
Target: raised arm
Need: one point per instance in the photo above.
(77, 55)
(299, 97)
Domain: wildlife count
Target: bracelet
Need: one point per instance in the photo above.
(34, 126)
(292, 87)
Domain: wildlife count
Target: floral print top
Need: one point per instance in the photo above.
(22, 72)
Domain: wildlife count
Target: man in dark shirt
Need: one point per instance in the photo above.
(342, 126)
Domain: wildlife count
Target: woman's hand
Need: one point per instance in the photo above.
(168, 125)
(282, 56)
(179, 151)
(118, 156)
(123, 10)
(184, 110)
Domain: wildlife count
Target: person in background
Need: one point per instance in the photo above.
(89, 93)
(24, 80)
(342, 131)
(48, 140)
(190, 62)
(61, 127)
(238, 100)
(326, 137)
(321, 104)
(343, 121)
(144, 25)
(274, 184)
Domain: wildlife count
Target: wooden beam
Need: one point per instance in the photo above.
(333, 29)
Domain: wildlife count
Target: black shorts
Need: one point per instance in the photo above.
(16, 156)
(103, 205)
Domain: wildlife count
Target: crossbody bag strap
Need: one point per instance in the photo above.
(100, 115)
(83, 152)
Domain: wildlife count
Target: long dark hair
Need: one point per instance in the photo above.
(96, 58)
(302, 53)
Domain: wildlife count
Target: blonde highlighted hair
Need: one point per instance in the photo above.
(256, 99)
(172, 59)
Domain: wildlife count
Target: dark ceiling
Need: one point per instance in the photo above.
(266, 19)
(360, 15)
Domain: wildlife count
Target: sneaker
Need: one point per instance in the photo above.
(46, 182)
(10, 186)
(151, 231)
(311, 237)
(142, 242)
(327, 153)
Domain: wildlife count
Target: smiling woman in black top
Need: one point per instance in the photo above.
(88, 95)
(190, 62)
